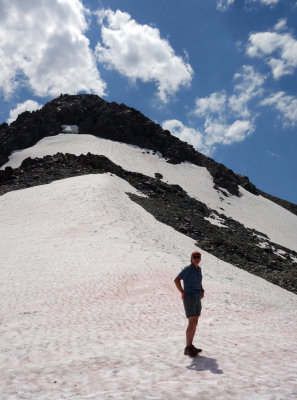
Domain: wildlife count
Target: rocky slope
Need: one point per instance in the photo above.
(170, 204)
(98, 117)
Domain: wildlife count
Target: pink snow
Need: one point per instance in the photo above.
(89, 309)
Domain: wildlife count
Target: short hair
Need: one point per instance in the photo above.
(195, 253)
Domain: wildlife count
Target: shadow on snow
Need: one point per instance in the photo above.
(201, 363)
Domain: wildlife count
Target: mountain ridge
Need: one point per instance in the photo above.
(246, 243)
(113, 121)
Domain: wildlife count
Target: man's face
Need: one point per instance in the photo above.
(196, 259)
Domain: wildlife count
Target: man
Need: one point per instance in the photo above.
(192, 293)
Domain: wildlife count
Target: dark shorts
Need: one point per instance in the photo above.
(192, 307)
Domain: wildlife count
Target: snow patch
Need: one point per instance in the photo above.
(90, 310)
(277, 252)
(260, 236)
(216, 220)
(263, 245)
(70, 128)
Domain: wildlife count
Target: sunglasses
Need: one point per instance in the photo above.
(196, 256)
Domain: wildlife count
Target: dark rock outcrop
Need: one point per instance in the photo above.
(5, 175)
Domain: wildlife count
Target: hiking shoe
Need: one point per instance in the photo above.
(195, 348)
(189, 351)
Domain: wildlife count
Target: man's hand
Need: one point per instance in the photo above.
(202, 295)
(179, 286)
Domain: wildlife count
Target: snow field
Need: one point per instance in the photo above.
(90, 310)
(252, 211)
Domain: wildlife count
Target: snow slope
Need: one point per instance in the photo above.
(89, 309)
(252, 211)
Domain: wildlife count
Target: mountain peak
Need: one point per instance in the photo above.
(110, 120)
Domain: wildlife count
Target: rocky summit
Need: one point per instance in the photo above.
(113, 121)
(169, 203)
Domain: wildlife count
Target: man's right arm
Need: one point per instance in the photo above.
(179, 286)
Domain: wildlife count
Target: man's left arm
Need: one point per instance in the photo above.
(202, 291)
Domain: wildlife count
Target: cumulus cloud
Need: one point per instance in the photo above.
(249, 84)
(286, 105)
(227, 118)
(213, 104)
(214, 133)
(28, 105)
(223, 118)
(281, 24)
(278, 49)
(43, 46)
(138, 52)
(186, 134)
(224, 133)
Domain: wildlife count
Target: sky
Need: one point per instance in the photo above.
(219, 74)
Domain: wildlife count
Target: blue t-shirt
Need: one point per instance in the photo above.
(192, 278)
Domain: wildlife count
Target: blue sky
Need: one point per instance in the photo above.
(220, 74)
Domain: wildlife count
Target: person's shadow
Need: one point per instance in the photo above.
(201, 363)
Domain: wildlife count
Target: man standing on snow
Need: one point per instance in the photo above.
(192, 293)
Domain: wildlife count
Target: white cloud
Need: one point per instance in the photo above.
(286, 105)
(186, 134)
(281, 24)
(279, 50)
(249, 85)
(222, 119)
(265, 2)
(215, 103)
(268, 2)
(43, 46)
(138, 52)
(227, 118)
(236, 132)
(223, 5)
(219, 105)
(214, 133)
(220, 132)
(28, 105)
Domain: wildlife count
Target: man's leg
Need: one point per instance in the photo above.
(191, 329)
